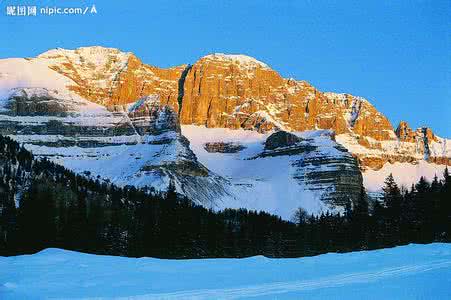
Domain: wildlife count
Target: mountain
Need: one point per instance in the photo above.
(103, 112)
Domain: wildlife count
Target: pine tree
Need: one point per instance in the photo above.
(393, 203)
(360, 220)
(422, 206)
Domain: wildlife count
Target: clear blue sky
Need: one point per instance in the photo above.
(395, 53)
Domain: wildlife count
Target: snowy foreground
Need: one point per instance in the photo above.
(408, 272)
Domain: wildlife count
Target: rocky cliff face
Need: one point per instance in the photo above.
(219, 90)
(409, 147)
(319, 164)
(405, 133)
(237, 91)
(427, 143)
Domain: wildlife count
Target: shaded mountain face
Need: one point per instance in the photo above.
(102, 112)
(137, 144)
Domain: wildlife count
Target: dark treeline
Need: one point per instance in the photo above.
(44, 205)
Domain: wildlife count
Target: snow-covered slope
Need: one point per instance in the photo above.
(407, 272)
(20, 72)
(405, 174)
(315, 173)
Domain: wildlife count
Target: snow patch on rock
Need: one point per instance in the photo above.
(240, 59)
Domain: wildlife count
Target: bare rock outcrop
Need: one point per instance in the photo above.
(222, 147)
(281, 139)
